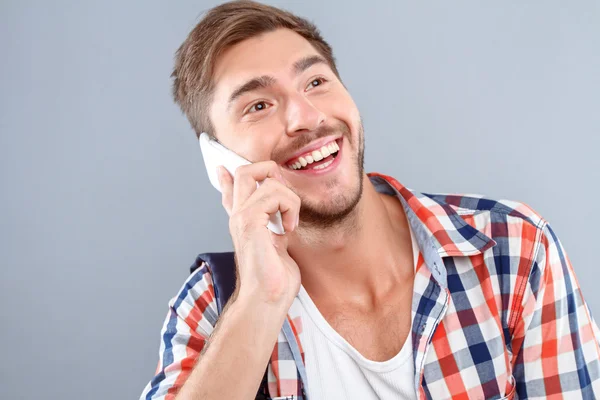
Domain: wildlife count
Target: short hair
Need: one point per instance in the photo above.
(224, 26)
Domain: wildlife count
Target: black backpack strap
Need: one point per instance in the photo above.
(222, 271)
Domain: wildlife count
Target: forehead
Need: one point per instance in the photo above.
(271, 53)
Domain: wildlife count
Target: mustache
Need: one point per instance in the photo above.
(307, 138)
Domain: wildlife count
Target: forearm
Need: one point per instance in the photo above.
(233, 364)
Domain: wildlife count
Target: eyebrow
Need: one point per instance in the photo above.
(253, 84)
(265, 81)
(306, 62)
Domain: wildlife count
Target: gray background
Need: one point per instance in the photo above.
(105, 202)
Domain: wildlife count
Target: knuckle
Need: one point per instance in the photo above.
(269, 184)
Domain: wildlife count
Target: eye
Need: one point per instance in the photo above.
(259, 106)
(316, 82)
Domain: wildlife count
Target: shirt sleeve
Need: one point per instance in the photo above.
(190, 320)
(559, 352)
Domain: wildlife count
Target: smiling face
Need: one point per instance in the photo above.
(275, 98)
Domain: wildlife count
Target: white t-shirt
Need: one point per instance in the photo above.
(336, 370)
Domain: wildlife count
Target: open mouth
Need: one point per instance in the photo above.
(317, 160)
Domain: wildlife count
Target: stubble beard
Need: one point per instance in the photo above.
(339, 209)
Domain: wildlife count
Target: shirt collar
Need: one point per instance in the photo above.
(449, 232)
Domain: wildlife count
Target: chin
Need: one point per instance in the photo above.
(332, 205)
(330, 195)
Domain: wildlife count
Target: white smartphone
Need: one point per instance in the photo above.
(215, 154)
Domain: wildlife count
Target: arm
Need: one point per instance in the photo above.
(190, 368)
(232, 366)
(559, 351)
(190, 321)
(231, 362)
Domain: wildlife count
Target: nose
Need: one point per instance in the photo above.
(302, 116)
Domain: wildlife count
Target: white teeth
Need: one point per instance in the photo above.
(316, 155)
(325, 164)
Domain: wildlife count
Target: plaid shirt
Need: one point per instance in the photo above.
(497, 312)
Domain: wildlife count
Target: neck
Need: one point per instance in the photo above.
(366, 255)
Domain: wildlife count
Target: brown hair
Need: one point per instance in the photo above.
(221, 27)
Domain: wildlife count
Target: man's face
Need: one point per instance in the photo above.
(277, 99)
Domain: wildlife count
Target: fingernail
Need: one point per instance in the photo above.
(297, 220)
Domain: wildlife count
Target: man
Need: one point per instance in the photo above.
(375, 290)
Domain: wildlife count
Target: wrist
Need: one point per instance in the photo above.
(260, 299)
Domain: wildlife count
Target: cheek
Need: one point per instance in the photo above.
(343, 108)
(260, 142)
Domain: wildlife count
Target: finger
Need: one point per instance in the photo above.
(271, 197)
(226, 183)
(246, 178)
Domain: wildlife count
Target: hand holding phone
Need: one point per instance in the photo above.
(267, 272)
(215, 154)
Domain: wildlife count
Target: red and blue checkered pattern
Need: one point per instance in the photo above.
(497, 311)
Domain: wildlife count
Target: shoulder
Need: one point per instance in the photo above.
(519, 231)
(517, 228)
(488, 208)
(195, 301)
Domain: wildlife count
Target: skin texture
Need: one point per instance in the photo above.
(345, 243)
(295, 112)
(352, 245)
